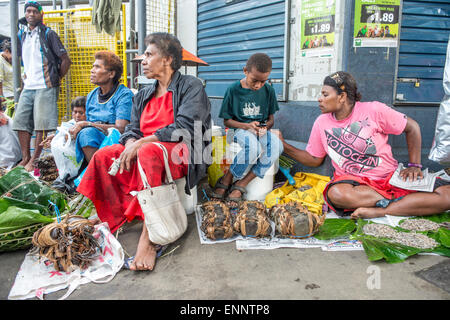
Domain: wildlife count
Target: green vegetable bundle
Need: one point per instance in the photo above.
(24, 208)
(382, 248)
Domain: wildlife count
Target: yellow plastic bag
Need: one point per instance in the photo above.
(308, 190)
(220, 164)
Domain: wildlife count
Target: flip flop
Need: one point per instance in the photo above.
(159, 251)
(235, 187)
(219, 185)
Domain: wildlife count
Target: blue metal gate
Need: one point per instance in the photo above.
(425, 29)
(230, 31)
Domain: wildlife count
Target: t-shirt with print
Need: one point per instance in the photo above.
(358, 145)
(246, 105)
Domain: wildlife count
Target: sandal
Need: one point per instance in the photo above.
(219, 185)
(235, 187)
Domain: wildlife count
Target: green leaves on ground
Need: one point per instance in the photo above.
(15, 218)
(335, 228)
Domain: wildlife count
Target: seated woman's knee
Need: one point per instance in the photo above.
(338, 194)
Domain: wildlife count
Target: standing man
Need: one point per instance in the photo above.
(45, 62)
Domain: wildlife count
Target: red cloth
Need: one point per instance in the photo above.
(111, 194)
(157, 114)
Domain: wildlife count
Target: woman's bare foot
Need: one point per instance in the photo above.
(145, 257)
(368, 213)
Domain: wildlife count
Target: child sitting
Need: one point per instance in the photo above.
(78, 106)
(248, 108)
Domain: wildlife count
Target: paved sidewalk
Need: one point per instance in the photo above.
(219, 271)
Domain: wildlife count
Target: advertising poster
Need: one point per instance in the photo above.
(317, 28)
(376, 23)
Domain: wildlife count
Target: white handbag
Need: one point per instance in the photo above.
(165, 216)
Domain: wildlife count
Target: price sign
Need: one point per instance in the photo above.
(376, 23)
(319, 25)
(317, 28)
(379, 14)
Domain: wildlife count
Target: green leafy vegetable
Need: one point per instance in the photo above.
(335, 228)
(15, 218)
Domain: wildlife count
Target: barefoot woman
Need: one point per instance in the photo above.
(167, 111)
(355, 134)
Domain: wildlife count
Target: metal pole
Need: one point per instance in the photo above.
(65, 4)
(132, 40)
(142, 25)
(54, 4)
(14, 18)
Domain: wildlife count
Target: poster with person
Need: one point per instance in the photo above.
(376, 23)
(317, 28)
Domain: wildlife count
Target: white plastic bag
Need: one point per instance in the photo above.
(440, 150)
(10, 152)
(63, 150)
(37, 277)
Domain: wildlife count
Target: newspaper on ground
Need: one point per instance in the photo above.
(274, 242)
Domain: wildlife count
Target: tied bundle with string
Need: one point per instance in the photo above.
(293, 220)
(217, 221)
(67, 243)
(252, 220)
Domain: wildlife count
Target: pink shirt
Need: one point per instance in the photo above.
(358, 145)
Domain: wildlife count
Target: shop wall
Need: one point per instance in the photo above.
(374, 69)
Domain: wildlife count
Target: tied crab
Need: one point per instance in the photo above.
(67, 244)
(293, 220)
(217, 221)
(252, 219)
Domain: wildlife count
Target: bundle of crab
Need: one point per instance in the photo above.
(293, 220)
(252, 220)
(67, 244)
(217, 220)
(47, 168)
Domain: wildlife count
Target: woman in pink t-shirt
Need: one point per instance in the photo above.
(354, 135)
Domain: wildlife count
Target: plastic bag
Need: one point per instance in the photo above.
(10, 152)
(308, 190)
(440, 150)
(37, 277)
(63, 150)
(112, 138)
(220, 163)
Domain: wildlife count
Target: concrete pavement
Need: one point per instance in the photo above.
(220, 271)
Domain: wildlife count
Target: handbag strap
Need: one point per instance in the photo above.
(166, 165)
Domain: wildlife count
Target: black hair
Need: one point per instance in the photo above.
(168, 46)
(78, 102)
(260, 61)
(344, 82)
(6, 45)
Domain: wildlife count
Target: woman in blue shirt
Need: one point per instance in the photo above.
(107, 106)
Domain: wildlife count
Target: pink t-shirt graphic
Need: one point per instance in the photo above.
(358, 145)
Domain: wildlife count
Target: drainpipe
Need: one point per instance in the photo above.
(14, 18)
(142, 25)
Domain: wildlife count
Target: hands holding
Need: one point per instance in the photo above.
(77, 128)
(255, 128)
(46, 143)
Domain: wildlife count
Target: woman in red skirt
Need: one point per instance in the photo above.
(354, 135)
(168, 112)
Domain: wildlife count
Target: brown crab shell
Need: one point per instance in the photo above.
(293, 220)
